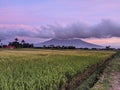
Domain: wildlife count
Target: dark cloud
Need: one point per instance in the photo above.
(105, 29)
(10, 31)
(76, 30)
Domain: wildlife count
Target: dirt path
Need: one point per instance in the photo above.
(110, 80)
(115, 81)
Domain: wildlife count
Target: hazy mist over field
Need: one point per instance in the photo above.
(95, 21)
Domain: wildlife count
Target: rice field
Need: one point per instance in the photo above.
(44, 69)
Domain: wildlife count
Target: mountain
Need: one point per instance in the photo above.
(68, 42)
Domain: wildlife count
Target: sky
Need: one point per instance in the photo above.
(95, 21)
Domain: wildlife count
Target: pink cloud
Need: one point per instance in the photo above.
(103, 41)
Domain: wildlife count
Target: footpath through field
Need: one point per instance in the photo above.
(110, 80)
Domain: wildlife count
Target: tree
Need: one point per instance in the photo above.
(23, 41)
(108, 47)
(16, 39)
(0, 43)
(16, 43)
(10, 44)
(21, 44)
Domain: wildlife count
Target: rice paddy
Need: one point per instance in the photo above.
(44, 69)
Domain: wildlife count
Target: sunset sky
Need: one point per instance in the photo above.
(95, 21)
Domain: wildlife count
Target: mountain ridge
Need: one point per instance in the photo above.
(78, 43)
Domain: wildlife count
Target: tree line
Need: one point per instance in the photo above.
(58, 47)
(17, 44)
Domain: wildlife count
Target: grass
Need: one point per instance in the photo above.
(44, 69)
(105, 80)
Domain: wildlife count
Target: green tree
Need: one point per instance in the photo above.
(23, 41)
(16, 39)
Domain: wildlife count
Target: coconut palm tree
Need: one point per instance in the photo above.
(23, 41)
(16, 39)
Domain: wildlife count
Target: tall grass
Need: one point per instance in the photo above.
(44, 69)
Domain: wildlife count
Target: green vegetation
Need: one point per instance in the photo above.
(44, 69)
(107, 79)
(89, 82)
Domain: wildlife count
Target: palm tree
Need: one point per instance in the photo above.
(16, 39)
(16, 43)
(23, 41)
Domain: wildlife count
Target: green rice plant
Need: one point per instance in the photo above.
(44, 69)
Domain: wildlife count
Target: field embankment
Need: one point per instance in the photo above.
(110, 79)
(45, 69)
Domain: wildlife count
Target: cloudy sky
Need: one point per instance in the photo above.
(95, 21)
